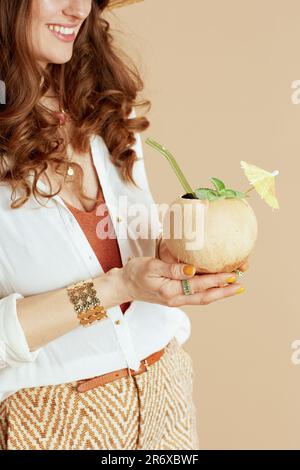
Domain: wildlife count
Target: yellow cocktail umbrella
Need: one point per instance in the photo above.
(263, 181)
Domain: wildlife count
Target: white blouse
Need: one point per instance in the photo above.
(43, 248)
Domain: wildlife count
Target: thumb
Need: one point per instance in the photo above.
(177, 270)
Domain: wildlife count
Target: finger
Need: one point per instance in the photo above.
(200, 283)
(175, 271)
(167, 257)
(210, 295)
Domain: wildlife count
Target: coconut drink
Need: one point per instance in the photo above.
(214, 229)
(229, 234)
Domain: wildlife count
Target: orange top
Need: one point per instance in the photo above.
(107, 249)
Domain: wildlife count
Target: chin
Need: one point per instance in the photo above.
(59, 59)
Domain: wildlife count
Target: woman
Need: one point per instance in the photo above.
(91, 335)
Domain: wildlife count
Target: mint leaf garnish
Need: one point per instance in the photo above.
(205, 193)
(218, 184)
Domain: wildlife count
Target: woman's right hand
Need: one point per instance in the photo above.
(152, 280)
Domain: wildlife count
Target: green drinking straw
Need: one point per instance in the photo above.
(173, 164)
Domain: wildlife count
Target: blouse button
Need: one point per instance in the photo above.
(117, 322)
(119, 219)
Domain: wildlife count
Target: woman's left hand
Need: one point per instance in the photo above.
(164, 254)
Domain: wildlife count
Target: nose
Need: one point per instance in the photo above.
(79, 9)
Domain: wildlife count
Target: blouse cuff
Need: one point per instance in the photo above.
(14, 350)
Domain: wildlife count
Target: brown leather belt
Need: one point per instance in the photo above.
(88, 384)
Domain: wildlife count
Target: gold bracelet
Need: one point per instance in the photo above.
(86, 304)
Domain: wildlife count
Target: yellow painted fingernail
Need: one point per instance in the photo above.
(231, 280)
(240, 290)
(189, 270)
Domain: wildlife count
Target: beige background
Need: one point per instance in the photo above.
(219, 76)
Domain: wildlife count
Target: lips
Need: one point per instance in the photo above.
(65, 25)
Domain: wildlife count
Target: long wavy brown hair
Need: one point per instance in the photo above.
(98, 87)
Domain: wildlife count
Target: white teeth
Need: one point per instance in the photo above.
(61, 29)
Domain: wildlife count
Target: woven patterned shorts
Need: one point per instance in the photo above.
(153, 410)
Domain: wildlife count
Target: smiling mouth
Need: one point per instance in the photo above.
(62, 33)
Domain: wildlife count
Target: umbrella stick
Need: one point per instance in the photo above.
(250, 189)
